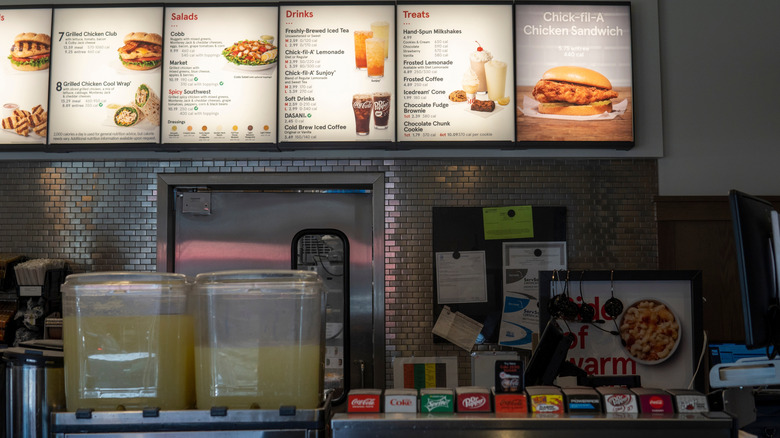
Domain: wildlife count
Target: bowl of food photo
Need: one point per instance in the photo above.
(650, 331)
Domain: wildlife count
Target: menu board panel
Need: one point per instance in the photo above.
(455, 71)
(106, 75)
(337, 74)
(220, 75)
(24, 94)
(574, 77)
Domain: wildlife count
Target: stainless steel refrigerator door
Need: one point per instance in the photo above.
(217, 223)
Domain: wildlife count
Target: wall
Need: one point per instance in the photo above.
(720, 98)
(101, 215)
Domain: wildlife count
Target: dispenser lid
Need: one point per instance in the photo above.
(122, 282)
(276, 281)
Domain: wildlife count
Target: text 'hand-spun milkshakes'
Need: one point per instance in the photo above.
(477, 59)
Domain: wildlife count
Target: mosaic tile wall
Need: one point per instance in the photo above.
(101, 215)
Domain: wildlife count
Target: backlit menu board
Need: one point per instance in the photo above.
(106, 75)
(455, 72)
(574, 77)
(337, 73)
(24, 94)
(220, 75)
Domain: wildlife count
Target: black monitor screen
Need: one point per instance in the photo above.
(549, 356)
(752, 222)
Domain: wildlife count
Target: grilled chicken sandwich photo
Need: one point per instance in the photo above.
(31, 51)
(142, 51)
(574, 91)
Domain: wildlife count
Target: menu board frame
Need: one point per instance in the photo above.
(383, 145)
(118, 146)
(395, 145)
(581, 143)
(208, 146)
(38, 146)
(458, 144)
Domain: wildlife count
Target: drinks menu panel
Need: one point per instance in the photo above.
(106, 75)
(455, 70)
(25, 92)
(337, 70)
(220, 81)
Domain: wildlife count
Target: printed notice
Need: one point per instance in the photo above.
(455, 73)
(337, 73)
(220, 80)
(25, 91)
(106, 75)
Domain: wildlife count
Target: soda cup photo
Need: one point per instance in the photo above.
(381, 109)
(362, 105)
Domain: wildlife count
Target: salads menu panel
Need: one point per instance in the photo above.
(106, 75)
(455, 72)
(574, 74)
(25, 92)
(220, 75)
(337, 73)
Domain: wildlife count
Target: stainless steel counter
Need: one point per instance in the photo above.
(234, 423)
(710, 425)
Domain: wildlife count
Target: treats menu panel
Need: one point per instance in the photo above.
(456, 72)
(388, 75)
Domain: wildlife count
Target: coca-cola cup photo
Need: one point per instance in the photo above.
(381, 109)
(362, 104)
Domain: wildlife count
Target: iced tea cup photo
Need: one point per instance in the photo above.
(495, 74)
(381, 109)
(375, 57)
(360, 48)
(362, 105)
(381, 30)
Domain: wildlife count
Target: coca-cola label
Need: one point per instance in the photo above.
(620, 403)
(363, 403)
(473, 402)
(510, 403)
(362, 104)
(400, 403)
(656, 404)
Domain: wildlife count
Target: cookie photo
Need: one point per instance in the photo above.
(458, 96)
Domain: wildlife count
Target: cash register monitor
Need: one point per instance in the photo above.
(549, 359)
(757, 262)
(757, 239)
